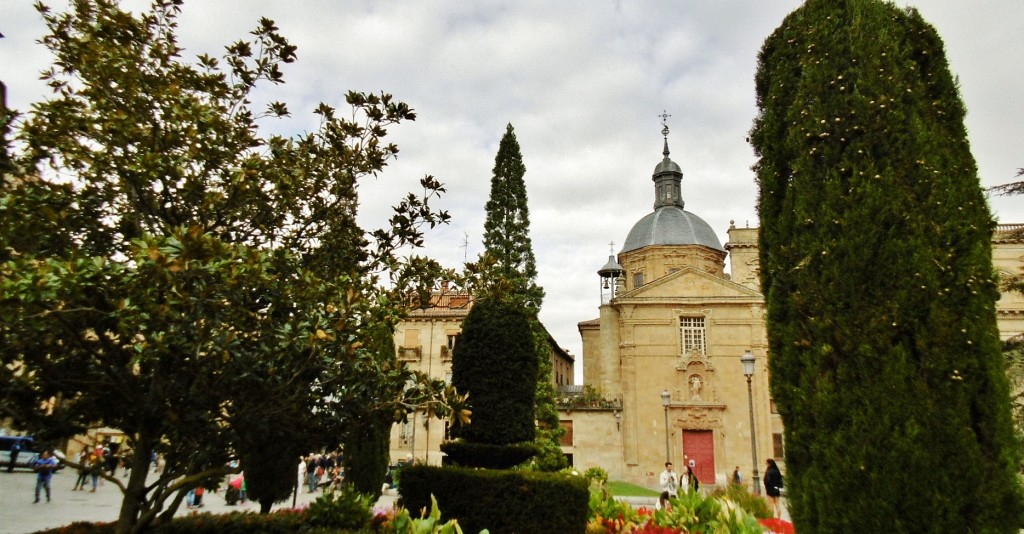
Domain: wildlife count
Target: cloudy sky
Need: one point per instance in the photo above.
(583, 82)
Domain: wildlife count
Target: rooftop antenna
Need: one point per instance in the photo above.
(465, 246)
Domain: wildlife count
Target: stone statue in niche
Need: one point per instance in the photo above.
(696, 384)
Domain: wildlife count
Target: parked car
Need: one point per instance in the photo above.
(26, 455)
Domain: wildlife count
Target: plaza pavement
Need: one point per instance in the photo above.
(18, 514)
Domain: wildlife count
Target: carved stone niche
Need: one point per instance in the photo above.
(696, 379)
(699, 417)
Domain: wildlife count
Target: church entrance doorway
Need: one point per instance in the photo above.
(699, 446)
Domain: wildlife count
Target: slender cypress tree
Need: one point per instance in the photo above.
(507, 271)
(508, 251)
(876, 266)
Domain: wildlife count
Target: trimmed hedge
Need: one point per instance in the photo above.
(510, 502)
(487, 456)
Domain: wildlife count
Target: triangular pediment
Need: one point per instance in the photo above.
(690, 282)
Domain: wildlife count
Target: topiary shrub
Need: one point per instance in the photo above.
(495, 362)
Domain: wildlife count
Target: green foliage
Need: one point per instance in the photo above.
(427, 523)
(501, 501)
(340, 509)
(604, 506)
(366, 455)
(495, 363)
(366, 441)
(876, 265)
(754, 505)
(196, 284)
(596, 476)
(695, 513)
(691, 512)
(550, 457)
(1013, 352)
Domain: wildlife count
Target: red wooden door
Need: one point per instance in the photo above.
(699, 446)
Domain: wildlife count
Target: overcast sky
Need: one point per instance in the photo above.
(583, 82)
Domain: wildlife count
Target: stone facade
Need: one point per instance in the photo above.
(1007, 258)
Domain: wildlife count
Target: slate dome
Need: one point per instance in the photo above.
(671, 225)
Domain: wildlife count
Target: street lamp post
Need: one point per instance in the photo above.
(666, 398)
(748, 362)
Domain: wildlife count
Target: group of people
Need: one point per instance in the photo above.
(91, 465)
(321, 470)
(671, 482)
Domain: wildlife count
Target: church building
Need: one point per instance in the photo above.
(675, 367)
(666, 351)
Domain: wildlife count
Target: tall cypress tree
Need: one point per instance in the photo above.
(880, 290)
(508, 251)
(507, 271)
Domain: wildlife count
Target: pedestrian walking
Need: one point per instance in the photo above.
(44, 466)
(773, 486)
(15, 449)
(312, 479)
(83, 470)
(95, 468)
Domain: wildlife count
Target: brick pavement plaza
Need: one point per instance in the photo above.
(18, 515)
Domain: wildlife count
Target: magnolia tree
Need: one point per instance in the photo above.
(170, 271)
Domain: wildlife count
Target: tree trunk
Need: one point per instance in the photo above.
(265, 505)
(135, 492)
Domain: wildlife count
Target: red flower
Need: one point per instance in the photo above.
(777, 526)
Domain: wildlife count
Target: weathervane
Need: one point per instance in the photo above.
(664, 123)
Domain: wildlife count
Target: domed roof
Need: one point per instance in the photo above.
(671, 225)
(666, 165)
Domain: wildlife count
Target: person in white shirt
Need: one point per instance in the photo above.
(670, 480)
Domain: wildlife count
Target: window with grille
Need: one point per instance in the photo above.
(404, 433)
(778, 448)
(638, 280)
(691, 335)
